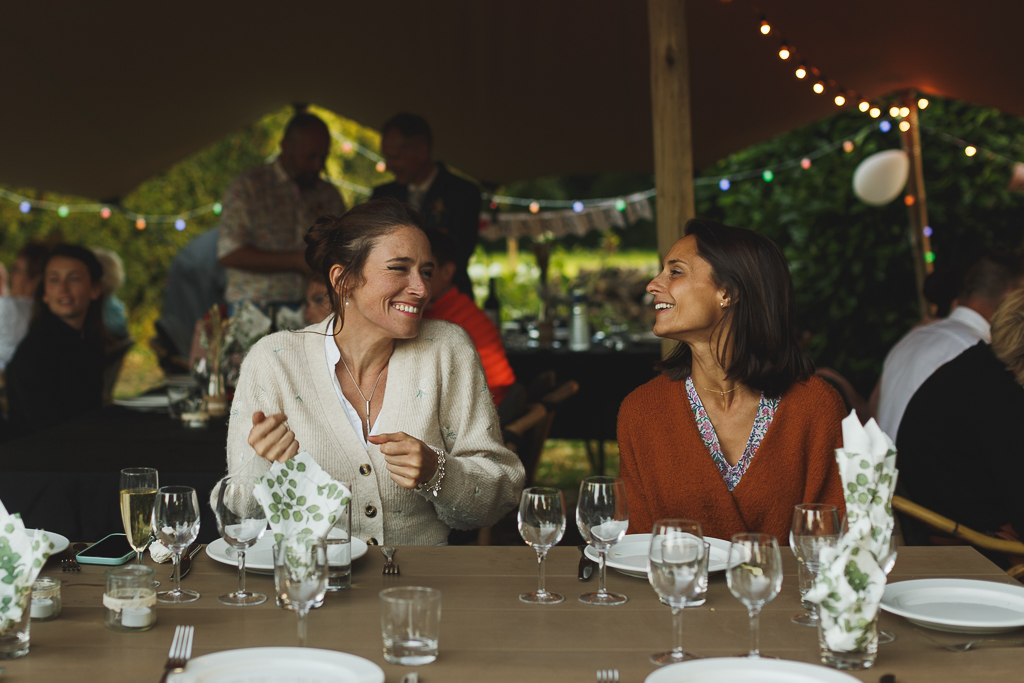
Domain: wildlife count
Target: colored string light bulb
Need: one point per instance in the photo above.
(971, 150)
(577, 207)
(179, 224)
(494, 205)
(140, 223)
(927, 231)
(768, 175)
(801, 71)
(840, 100)
(848, 146)
(105, 212)
(864, 105)
(63, 211)
(805, 163)
(904, 112)
(217, 208)
(765, 27)
(884, 126)
(909, 200)
(784, 52)
(819, 87)
(381, 167)
(929, 257)
(620, 204)
(922, 103)
(894, 111)
(534, 207)
(904, 126)
(346, 147)
(24, 207)
(875, 112)
(724, 184)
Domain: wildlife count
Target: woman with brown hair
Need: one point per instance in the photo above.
(736, 430)
(394, 405)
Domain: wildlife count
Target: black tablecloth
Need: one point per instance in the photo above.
(66, 479)
(605, 377)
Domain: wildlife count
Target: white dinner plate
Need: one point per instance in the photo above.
(743, 670)
(148, 402)
(629, 555)
(957, 605)
(280, 665)
(260, 557)
(59, 542)
(184, 381)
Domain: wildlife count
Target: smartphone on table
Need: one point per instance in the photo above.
(111, 550)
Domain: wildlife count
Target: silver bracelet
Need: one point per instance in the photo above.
(435, 488)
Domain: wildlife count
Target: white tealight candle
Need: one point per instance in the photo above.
(42, 608)
(135, 617)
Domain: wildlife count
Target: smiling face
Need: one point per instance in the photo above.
(687, 302)
(68, 291)
(395, 288)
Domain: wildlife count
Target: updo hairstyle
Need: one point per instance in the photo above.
(347, 241)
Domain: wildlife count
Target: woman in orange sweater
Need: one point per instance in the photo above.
(736, 430)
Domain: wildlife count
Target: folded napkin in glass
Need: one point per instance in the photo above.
(851, 582)
(22, 556)
(301, 500)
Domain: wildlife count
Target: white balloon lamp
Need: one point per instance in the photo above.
(881, 177)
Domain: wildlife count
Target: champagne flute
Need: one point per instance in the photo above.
(677, 552)
(887, 563)
(138, 494)
(815, 526)
(241, 522)
(755, 577)
(176, 525)
(603, 517)
(300, 576)
(541, 524)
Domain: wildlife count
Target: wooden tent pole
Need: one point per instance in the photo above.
(917, 204)
(670, 108)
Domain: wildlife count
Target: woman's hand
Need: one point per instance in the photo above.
(410, 462)
(271, 437)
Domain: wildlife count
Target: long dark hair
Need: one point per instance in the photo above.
(93, 329)
(347, 241)
(761, 317)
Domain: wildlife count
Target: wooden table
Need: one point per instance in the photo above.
(487, 634)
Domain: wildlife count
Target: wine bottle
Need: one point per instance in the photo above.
(492, 306)
(579, 330)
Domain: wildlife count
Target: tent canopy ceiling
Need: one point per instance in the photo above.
(103, 95)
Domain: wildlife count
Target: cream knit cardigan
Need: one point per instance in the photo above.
(436, 391)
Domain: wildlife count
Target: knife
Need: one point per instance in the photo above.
(186, 559)
(587, 565)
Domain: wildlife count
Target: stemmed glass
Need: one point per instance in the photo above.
(887, 563)
(815, 526)
(677, 552)
(755, 577)
(176, 525)
(138, 494)
(541, 524)
(300, 576)
(603, 517)
(241, 522)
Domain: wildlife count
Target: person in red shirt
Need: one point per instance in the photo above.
(448, 303)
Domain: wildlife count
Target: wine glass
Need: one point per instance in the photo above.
(541, 524)
(887, 563)
(176, 525)
(138, 494)
(241, 522)
(754, 576)
(815, 526)
(603, 517)
(676, 556)
(300, 576)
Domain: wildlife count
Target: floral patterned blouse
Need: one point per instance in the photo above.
(732, 474)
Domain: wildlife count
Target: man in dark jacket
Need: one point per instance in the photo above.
(449, 204)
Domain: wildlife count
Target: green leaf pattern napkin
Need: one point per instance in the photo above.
(301, 500)
(22, 556)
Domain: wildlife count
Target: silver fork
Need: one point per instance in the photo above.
(389, 567)
(181, 650)
(607, 676)
(971, 644)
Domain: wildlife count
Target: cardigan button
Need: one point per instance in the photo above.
(364, 470)
(371, 541)
(370, 511)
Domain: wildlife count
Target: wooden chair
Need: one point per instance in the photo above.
(956, 530)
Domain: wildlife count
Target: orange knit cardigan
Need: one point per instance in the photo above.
(668, 471)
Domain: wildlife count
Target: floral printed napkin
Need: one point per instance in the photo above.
(302, 501)
(21, 558)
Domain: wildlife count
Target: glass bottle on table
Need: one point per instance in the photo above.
(138, 495)
(603, 518)
(815, 526)
(541, 524)
(176, 525)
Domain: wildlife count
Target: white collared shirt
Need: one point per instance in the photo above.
(333, 354)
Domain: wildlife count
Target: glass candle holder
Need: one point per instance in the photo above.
(46, 599)
(130, 600)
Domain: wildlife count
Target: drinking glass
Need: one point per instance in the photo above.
(541, 524)
(887, 563)
(241, 522)
(815, 526)
(410, 624)
(176, 525)
(755, 577)
(603, 517)
(300, 576)
(138, 495)
(677, 553)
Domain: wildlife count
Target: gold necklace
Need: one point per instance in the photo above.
(723, 393)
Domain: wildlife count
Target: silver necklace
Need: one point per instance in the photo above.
(367, 400)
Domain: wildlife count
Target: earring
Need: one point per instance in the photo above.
(346, 301)
(722, 304)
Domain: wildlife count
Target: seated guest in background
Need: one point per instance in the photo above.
(57, 372)
(915, 357)
(447, 203)
(736, 430)
(115, 318)
(393, 404)
(318, 304)
(448, 303)
(959, 441)
(17, 294)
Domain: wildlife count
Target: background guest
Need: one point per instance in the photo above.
(915, 357)
(17, 294)
(959, 440)
(115, 315)
(448, 203)
(267, 210)
(318, 304)
(57, 372)
(447, 302)
(736, 430)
